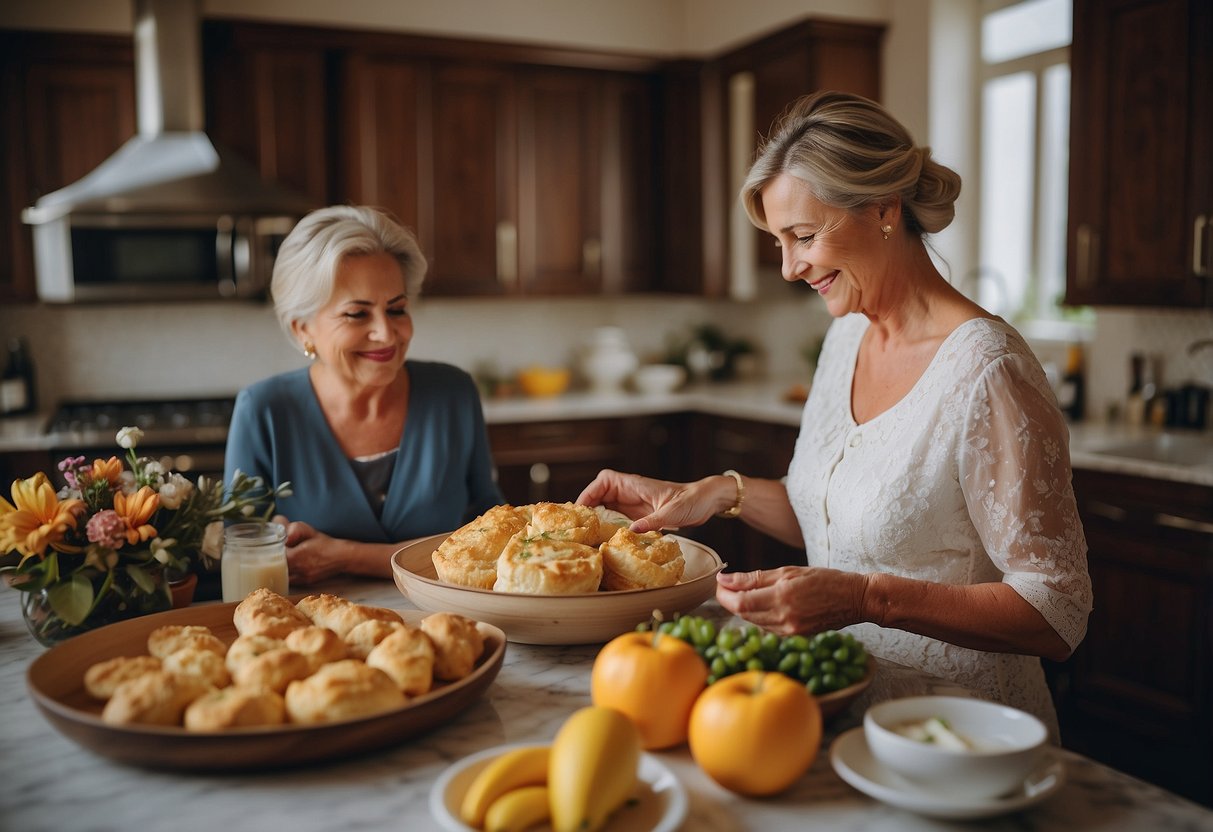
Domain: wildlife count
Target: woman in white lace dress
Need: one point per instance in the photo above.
(930, 485)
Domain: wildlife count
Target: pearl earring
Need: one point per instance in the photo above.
(886, 230)
(309, 350)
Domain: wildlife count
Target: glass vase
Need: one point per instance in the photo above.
(45, 625)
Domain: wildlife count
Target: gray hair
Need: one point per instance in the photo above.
(305, 270)
(852, 153)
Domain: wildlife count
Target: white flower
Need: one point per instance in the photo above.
(176, 490)
(126, 481)
(212, 540)
(160, 548)
(248, 510)
(129, 437)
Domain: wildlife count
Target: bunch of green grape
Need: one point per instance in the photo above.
(825, 662)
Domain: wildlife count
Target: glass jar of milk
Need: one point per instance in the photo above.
(254, 556)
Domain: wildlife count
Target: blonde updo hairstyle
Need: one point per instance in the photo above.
(305, 270)
(852, 153)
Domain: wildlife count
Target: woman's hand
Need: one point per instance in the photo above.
(794, 599)
(310, 555)
(653, 504)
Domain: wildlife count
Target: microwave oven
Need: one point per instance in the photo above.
(86, 258)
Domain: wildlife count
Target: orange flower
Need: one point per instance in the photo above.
(136, 510)
(109, 470)
(36, 518)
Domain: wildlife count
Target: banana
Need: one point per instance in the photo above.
(593, 768)
(518, 767)
(518, 809)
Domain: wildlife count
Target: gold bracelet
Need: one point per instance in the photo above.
(735, 510)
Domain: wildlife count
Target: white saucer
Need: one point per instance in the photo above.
(851, 758)
(660, 804)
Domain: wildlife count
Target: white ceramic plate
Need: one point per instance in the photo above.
(591, 618)
(853, 760)
(660, 804)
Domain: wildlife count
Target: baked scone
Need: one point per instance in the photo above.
(319, 645)
(102, 678)
(469, 556)
(547, 565)
(641, 561)
(245, 648)
(567, 521)
(406, 655)
(207, 665)
(362, 639)
(265, 612)
(342, 690)
(235, 707)
(273, 670)
(341, 615)
(458, 643)
(610, 521)
(172, 637)
(155, 698)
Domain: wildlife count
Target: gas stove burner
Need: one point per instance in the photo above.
(174, 414)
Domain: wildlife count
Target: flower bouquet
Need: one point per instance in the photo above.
(107, 545)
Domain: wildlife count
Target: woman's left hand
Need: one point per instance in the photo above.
(310, 554)
(793, 599)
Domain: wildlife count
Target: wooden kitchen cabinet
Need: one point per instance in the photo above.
(67, 102)
(552, 461)
(1138, 692)
(1140, 226)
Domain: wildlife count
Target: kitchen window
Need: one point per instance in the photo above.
(1025, 115)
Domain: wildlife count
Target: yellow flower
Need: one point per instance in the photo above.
(109, 470)
(136, 509)
(36, 518)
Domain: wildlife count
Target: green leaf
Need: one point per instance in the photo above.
(141, 578)
(72, 600)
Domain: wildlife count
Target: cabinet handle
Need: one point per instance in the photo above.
(1105, 510)
(1184, 523)
(1086, 240)
(507, 254)
(591, 256)
(1200, 266)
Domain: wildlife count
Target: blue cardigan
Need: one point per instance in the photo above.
(443, 476)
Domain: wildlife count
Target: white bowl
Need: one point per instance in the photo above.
(1007, 744)
(658, 379)
(591, 618)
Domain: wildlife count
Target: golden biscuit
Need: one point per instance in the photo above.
(155, 698)
(273, 670)
(458, 643)
(610, 521)
(249, 647)
(641, 561)
(172, 637)
(341, 615)
(363, 638)
(567, 521)
(319, 644)
(194, 661)
(101, 679)
(469, 556)
(342, 690)
(235, 707)
(543, 565)
(407, 655)
(265, 612)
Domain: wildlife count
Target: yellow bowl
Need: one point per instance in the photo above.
(543, 381)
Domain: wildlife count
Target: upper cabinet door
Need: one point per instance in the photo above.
(560, 182)
(1141, 171)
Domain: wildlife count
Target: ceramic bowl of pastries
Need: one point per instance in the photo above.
(269, 682)
(556, 573)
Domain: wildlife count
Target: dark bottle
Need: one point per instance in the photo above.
(1071, 394)
(17, 383)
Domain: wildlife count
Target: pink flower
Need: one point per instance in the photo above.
(107, 528)
(68, 467)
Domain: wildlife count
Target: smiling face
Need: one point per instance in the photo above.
(362, 334)
(839, 253)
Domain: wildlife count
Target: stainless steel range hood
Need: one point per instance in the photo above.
(171, 166)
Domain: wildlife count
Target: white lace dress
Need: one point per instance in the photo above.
(965, 480)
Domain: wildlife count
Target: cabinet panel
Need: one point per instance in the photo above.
(1141, 184)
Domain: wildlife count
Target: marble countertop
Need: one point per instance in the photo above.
(49, 783)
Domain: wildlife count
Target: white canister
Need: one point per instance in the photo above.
(254, 556)
(608, 361)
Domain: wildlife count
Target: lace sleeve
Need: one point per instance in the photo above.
(1016, 476)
